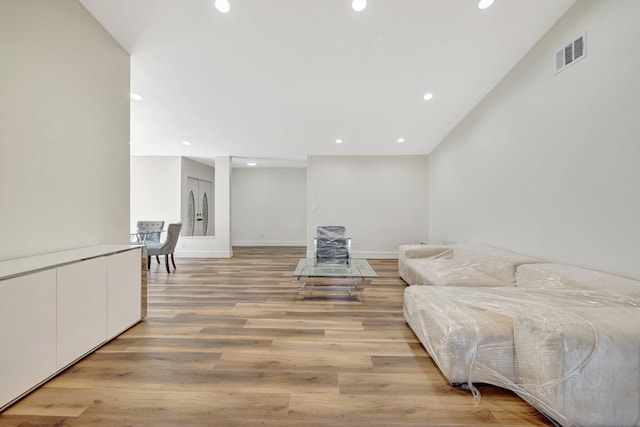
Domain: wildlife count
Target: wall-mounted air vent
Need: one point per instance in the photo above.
(571, 53)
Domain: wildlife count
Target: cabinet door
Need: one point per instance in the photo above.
(27, 332)
(82, 308)
(124, 303)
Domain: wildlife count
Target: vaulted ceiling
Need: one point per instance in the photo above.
(284, 79)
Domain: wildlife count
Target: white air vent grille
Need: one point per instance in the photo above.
(571, 53)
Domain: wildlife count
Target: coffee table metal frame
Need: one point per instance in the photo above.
(333, 277)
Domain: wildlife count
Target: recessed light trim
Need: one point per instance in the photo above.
(359, 5)
(339, 141)
(485, 4)
(136, 97)
(428, 96)
(223, 6)
(185, 142)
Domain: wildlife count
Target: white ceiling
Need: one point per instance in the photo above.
(283, 79)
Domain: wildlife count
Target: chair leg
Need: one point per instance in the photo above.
(148, 262)
(173, 261)
(158, 259)
(166, 262)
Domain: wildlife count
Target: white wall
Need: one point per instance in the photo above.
(156, 194)
(64, 130)
(155, 189)
(548, 164)
(218, 246)
(381, 200)
(269, 206)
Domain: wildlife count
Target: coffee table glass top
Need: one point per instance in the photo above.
(358, 268)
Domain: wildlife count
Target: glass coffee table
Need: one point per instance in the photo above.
(333, 278)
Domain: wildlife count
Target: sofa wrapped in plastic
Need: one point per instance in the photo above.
(459, 265)
(583, 371)
(565, 339)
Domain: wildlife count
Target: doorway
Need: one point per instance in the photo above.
(200, 220)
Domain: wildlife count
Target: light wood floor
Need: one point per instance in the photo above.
(231, 342)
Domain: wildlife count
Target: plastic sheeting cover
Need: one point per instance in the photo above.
(331, 246)
(459, 265)
(565, 339)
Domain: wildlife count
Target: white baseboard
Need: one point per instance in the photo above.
(375, 255)
(367, 255)
(203, 254)
(229, 254)
(268, 243)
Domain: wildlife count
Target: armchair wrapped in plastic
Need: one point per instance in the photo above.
(330, 246)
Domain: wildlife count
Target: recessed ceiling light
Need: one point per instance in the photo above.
(185, 142)
(136, 97)
(484, 4)
(359, 5)
(428, 96)
(251, 163)
(400, 140)
(338, 141)
(223, 6)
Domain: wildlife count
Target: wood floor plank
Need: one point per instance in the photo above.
(440, 410)
(147, 403)
(303, 324)
(292, 362)
(380, 384)
(401, 335)
(231, 342)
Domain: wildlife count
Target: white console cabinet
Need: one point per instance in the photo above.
(28, 332)
(124, 298)
(57, 308)
(82, 308)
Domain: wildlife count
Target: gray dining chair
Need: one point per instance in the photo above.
(149, 231)
(166, 248)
